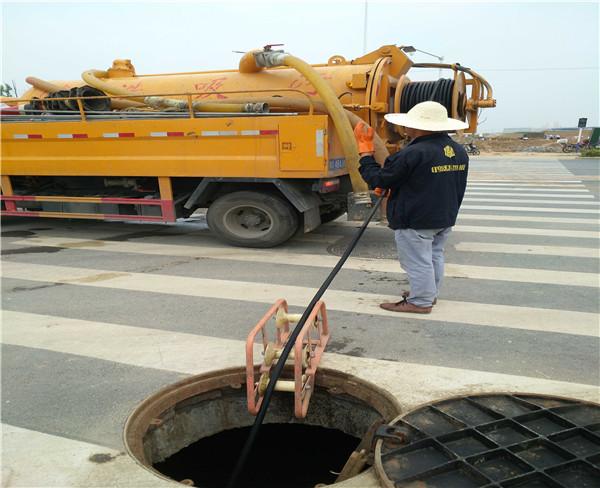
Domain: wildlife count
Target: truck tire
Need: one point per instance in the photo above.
(252, 219)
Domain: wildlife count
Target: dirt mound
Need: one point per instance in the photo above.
(505, 144)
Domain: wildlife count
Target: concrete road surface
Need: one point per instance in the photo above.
(99, 315)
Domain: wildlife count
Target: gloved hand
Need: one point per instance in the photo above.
(364, 137)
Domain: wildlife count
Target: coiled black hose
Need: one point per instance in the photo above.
(422, 91)
(241, 463)
(58, 107)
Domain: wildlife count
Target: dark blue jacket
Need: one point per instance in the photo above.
(427, 180)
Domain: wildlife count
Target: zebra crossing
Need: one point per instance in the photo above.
(97, 316)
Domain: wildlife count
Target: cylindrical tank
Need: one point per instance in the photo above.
(366, 83)
(369, 86)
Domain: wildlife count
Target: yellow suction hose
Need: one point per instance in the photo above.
(95, 78)
(340, 121)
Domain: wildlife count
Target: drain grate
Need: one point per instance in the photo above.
(496, 440)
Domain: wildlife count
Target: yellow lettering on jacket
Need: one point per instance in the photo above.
(443, 168)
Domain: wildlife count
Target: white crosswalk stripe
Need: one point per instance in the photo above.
(532, 184)
(179, 351)
(528, 200)
(579, 252)
(508, 208)
(527, 218)
(525, 190)
(472, 193)
(316, 260)
(528, 318)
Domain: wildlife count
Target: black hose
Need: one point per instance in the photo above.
(239, 467)
(59, 107)
(421, 91)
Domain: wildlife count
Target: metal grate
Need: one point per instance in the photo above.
(495, 440)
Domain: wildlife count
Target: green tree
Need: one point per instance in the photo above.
(6, 90)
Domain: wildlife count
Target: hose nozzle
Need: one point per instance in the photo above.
(269, 58)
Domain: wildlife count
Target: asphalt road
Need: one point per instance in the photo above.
(520, 297)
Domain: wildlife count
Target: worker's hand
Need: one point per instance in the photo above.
(364, 137)
(381, 192)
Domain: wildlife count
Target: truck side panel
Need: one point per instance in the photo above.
(258, 147)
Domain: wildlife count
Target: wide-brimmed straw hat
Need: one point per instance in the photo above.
(430, 116)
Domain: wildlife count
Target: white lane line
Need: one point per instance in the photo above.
(523, 194)
(525, 275)
(530, 209)
(528, 218)
(179, 353)
(526, 200)
(36, 459)
(516, 184)
(537, 181)
(480, 314)
(526, 189)
(482, 229)
(578, 252)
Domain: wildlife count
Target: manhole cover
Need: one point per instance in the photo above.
(497, 440)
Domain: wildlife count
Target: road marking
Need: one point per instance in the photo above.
(445, 312)
(536, 183)
(528, 218)
(482, 229)
(31, 458)
(526, 200)
(526, 189)
(578, 252)
(521, 182)
(525, 275)
(530, 209)
(540, 195)
(178, 352)
(584, 234)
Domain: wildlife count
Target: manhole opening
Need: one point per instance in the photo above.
(193, 431)
(291, 455)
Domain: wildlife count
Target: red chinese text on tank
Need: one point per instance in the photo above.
(210, 86)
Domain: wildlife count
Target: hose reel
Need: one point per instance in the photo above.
(448, 92)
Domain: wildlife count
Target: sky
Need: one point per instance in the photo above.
(542, 58)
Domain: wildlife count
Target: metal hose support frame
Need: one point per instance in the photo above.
(278, 368)
(488, 102)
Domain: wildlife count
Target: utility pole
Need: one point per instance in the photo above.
(365, 27)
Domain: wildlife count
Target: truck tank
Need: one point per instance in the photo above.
(369, 86)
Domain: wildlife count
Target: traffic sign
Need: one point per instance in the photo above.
(582, 123)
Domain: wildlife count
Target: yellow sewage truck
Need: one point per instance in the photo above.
(267, 149)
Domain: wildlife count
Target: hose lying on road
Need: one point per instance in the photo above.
(277, 370)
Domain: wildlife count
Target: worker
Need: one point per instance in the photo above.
(426, 182)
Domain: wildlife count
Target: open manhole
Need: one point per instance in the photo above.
(494, 440)
(193, 431)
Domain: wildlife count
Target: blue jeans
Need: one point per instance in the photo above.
(421, 254)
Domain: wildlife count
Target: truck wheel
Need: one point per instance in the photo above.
(252, 219)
